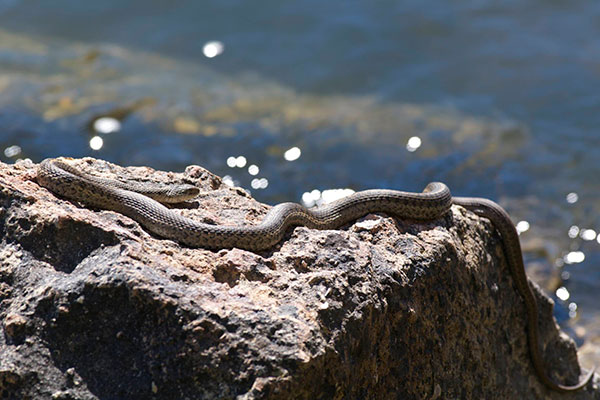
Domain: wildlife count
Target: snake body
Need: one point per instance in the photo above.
(435, 201)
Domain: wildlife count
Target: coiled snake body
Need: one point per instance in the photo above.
(434, 202)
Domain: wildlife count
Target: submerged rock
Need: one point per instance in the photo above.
(94, 307)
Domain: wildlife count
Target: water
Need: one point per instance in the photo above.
(503, 97)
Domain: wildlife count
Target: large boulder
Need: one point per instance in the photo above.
(94, 307)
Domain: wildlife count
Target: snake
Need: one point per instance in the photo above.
(142, 202)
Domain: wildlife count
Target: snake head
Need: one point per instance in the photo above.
(181, 193)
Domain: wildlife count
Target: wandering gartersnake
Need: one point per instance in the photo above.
(66, 180)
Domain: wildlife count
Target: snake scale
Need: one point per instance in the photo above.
(435, 201)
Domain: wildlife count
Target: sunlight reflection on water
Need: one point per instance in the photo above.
(253, 170)
(12, 151)
(239, 162)
(107, 125)
(292, 154)
(96, 143)
(588, 234)
(213, 48)
(573, 231)
(259, 183)
(572, 198)
(413, 143)
(522, 226)
(562, 293)
(574, 257)
(572, 310)
(319, 198)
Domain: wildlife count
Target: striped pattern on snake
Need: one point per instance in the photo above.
(435, 201)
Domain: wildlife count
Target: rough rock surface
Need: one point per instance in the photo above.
(94, 307)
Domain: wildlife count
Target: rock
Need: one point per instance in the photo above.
(94, 307)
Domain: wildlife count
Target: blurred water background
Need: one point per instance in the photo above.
(292, 99)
